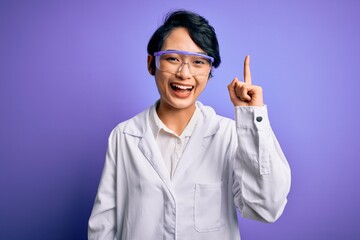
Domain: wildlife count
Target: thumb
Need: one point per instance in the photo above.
(233, 87)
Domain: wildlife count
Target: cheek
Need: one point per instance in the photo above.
(201, 84)
(161, 82)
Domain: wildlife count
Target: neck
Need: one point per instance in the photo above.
(175, 119)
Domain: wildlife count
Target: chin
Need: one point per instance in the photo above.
(182, 103)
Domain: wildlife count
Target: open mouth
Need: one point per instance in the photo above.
(177, 87)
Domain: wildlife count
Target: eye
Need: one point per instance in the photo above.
(199, 62)
(171, 58)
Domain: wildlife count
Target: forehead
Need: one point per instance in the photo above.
(179, 39)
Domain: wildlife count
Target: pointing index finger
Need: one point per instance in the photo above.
(247, 73)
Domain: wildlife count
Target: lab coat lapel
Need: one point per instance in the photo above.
(139, 127)
(199, 141)
(149, 148)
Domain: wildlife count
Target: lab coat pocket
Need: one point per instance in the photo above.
(209, 204)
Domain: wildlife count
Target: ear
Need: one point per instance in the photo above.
(150, 60)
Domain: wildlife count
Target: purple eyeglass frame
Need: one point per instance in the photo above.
(185, 53)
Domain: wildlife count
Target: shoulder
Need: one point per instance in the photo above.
(209, 113)
(213, 119)
(134, 126)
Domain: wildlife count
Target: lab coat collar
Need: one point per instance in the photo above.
(138, 125)
(157, 125)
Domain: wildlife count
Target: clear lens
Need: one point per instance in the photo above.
(172, 62)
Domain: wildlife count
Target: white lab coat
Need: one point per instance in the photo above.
(226, 165)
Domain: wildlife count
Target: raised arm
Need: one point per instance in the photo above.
(261, 171)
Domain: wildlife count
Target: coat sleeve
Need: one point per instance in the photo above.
(261, 171)
(102, 222)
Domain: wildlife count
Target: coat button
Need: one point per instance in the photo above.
(258, 119)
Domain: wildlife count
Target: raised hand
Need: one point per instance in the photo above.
(244, 93)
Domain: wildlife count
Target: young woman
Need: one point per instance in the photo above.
(178, 170)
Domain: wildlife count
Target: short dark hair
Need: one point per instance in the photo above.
(200, 31)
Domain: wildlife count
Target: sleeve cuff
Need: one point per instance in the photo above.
(252, 117)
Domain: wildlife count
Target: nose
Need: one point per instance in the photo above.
(184, 72)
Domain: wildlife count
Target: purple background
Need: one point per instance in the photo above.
(71, 70)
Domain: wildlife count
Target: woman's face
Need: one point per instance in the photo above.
(179, 91)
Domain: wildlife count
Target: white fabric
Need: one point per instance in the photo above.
(225, 165)
(170, 144)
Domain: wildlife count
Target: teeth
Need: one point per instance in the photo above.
(183, 87)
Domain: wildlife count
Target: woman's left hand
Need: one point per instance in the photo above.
(244, 93)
